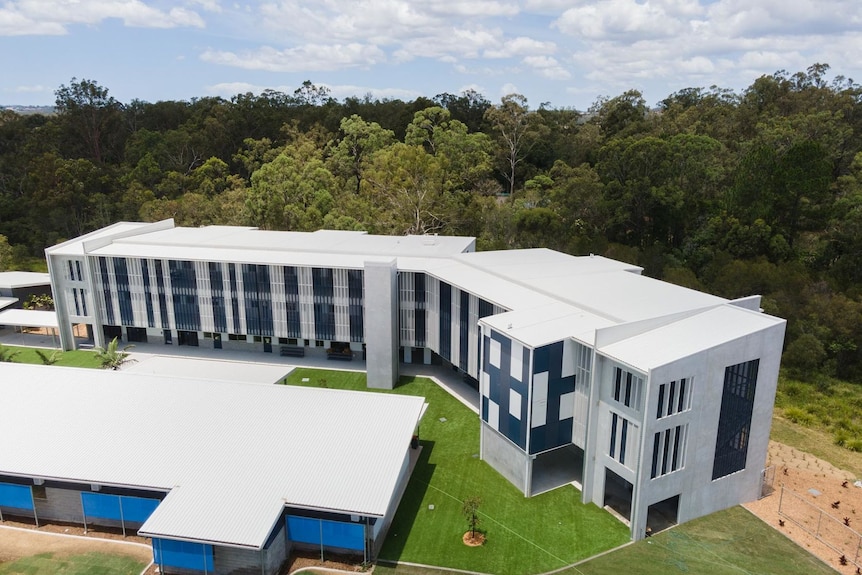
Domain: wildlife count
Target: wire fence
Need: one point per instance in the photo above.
(833, 532)
(767, 479)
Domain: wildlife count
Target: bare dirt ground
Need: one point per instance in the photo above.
(22, 540)
(800, 472)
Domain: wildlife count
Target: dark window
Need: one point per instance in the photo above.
(218, 299)
(184, 295)
(355, 292)
(124, 294)
(258, 301)
(291, 302)
(163, 300)
(446, 321)
(151, 315)
(464, 326)
(419, 290)
(324, 306)
(106, 291)
(734, 420)
(234, 297)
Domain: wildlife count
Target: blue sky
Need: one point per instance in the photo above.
(567, 53)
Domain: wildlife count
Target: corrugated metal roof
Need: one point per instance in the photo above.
(237, 452)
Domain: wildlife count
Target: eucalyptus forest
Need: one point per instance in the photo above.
(733, 193)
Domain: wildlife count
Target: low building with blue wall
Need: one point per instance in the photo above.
(222, 476)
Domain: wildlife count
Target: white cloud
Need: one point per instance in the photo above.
(547, 67)
(52, 17)
(625, 20)
(521, 46)
(508, 88)
(300, 59)
(30, 89)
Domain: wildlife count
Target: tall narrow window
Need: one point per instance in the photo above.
(734, 421)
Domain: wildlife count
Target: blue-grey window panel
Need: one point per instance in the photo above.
(148, 291)
(734, 420)
(163, 300)
(445, 321)
(556, 432)
(184, 288)
(463, 330)
(324, 304)
(258, 299)
(501, 383)
(183, 555)
(124, 294)
(106, 290)
(291, 300)
(234, 298)
(356, 299)
(218, 300)
(420, 313)
(15, 496)
(485, 308)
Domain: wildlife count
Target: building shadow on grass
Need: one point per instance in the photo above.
(410, 506)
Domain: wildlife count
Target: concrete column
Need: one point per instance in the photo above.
(381, 323)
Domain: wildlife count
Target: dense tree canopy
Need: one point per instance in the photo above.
(733, 193)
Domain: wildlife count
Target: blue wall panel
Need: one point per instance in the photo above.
(335, 533)
(183, 554)
(501, 383)
(138, 509)
(17, 496)
(101, 505)
(556, 432)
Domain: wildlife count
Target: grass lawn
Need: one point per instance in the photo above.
(85, 564)
(76, 358)
(524, 535)
(729, 542)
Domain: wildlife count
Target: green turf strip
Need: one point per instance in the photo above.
(85, 564)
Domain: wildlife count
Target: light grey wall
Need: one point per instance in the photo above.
(699, 494)
(61, 505)
(505, 457)
(381, 323)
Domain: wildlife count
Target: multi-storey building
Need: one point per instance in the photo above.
(654, 399)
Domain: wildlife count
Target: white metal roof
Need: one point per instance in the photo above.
(7, 301)
(14, 280)
(207, 369)
(231, 454)
(689, 335)
(29, 318)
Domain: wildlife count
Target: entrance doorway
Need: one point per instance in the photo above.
(189, 338)
(618, 495)
(663, 514)
(217, 341)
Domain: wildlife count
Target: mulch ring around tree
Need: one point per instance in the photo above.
(473, 539)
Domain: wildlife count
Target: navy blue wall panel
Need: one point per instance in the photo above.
(501, 383)
(555, 432)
